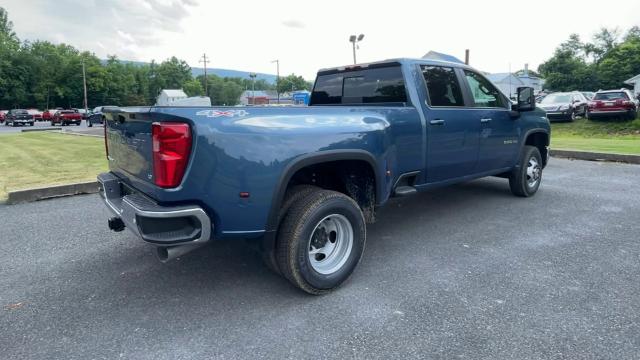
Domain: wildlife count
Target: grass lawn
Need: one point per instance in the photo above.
(36, 159)
(610, 136)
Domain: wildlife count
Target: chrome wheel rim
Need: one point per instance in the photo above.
(534, 172)
(330, 244)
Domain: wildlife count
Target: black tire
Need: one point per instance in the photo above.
(89, 124)
(291, 197)
(30, 124)
(632, 115)
(519, 182)
(294, 240)
(572, 116)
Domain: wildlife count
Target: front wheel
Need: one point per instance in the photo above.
(320, 241)
(89, 124)
(525, 180)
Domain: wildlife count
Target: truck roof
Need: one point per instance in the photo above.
(408, 61)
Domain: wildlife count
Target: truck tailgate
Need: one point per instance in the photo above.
(129, 142)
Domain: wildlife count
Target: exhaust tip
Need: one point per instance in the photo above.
(168, 253)
(163, 254)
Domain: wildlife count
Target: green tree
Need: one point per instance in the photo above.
(174, 73)
(193, 87)
(291, 83)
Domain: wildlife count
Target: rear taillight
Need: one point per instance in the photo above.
(171, 148)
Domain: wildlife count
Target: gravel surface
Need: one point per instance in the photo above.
(467, 271)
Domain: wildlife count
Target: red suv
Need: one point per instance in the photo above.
(613, 103)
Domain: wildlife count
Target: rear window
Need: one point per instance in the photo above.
(67, 112)
(611, 96)
(20, 112)
(370, 86)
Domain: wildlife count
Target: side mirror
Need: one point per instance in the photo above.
(526, 99)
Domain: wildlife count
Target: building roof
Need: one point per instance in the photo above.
(633, 80)
(434, 55)
(174, 93)
(500, 77)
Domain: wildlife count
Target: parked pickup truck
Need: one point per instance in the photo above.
(66, 117)
(17, 117)
(304, 181)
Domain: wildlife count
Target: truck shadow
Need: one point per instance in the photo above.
(227, 269)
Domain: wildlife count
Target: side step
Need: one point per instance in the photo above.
(405, 191)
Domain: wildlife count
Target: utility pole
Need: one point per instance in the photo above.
(204, 60)
(277, 78)
(466, 56)
(84, 84)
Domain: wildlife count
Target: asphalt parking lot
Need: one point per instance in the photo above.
(43, 125)
(463, 272)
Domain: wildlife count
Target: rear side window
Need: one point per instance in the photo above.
(611, 96)
(370, 86)
(442, 85)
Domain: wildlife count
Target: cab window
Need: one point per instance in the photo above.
(442, 85)
(484, 93)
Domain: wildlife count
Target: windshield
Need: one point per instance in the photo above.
(611, 96)
(556, 98)
(20, 112)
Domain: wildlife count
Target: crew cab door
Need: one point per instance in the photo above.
(498, 130)
(452, 131)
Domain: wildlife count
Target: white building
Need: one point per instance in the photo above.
(167, 96)
(507, 83)
(635, 81)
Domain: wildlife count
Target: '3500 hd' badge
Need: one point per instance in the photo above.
(219, 113)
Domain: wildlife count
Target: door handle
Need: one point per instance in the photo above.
(485, 120)
(437, 122)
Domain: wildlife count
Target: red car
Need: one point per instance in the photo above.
(37, 115)
(613, 103)
(47, 115)
(66, 117)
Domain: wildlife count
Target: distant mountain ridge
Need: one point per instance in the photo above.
(271, 79)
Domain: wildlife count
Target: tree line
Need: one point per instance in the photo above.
(602, 63)
(43, 75)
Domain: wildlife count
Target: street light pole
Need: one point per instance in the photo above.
(84, 85)
(353, 39)
(253, 87)
(277, 78)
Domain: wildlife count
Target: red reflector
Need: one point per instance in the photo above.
(244, 194)
(171, 148)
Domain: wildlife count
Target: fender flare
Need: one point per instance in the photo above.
(312, 159)
(531, 132)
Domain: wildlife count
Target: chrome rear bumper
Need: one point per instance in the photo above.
(153, 223)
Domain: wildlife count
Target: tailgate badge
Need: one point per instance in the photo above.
(219, 113)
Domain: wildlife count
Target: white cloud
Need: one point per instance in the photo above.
(248, 35)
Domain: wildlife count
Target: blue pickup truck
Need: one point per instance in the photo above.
(304, 181)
